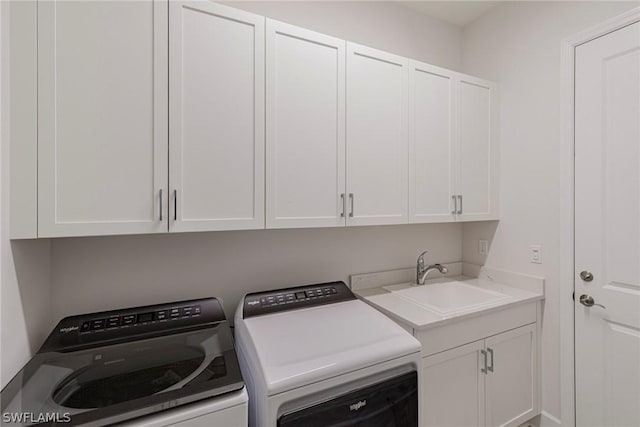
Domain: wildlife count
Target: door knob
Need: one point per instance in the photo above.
(588, 301)
(586, 276)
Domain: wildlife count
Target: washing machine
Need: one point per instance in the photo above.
(160, 365)
(317, 356)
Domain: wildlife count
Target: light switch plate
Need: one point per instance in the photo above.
(483, 246)
(535, 254)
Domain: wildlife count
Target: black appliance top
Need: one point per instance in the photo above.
(108, 367)
(269, 302)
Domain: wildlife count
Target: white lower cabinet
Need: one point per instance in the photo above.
(453, 388)
(511, 381)
(490, 382)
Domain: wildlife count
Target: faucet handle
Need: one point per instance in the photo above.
(421, 257)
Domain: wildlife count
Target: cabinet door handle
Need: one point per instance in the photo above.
(344, 206)
(490, 351)
(484, 356)
(460, 207)
(175, 205)
(455, 204)
(161, 204)
(351, 198)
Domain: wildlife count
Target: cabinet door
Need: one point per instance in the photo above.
(102, 117)
(477, 150)
(511, 396)
(216, 113)
(453, 387)
(431, 143)
(305, 128)
(377, 144)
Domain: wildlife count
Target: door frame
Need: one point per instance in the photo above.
(567, 205)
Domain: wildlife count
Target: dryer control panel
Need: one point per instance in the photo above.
(259, 303)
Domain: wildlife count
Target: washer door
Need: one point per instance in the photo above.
(392, 403)
(127, 378)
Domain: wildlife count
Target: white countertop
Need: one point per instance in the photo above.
(419, 317)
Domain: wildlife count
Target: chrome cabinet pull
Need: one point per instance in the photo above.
(161, 204)
(460, 207)
(351, 198)
(484, 355)
(344, 205)
(490, 351)
(175, 205)
(455, 205)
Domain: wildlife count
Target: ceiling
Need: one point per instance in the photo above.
(458, 13)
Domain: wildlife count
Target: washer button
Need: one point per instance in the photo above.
(113, 322)
(128, 319)
(97, 324)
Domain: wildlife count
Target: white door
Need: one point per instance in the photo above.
(377, 144)
(102, 117)
(431, 143)
(216, 60)
(453, 387)
(477, 186)
(607, 229)
(305, 152)
(511, 382)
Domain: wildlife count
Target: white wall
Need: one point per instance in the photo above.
(25, 309)
(518, 45)
(111, 272)
(378, 24)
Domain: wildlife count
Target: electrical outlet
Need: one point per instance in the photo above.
(535, 254)
(483, 246)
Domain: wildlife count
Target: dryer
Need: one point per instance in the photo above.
(317, 356)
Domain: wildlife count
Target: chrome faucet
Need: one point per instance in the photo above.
(422, 271)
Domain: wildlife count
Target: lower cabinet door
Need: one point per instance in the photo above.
(453, 387)
(511, 383)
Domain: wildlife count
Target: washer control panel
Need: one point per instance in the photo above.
(128, 320)
(260, 303)
(120, 325)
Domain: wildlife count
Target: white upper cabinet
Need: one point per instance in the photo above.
(305, 147)
(477, 187)
(102, 117)
(431, 143)
(377, 144)
(216, 109)
(453, 151)
(156, 116)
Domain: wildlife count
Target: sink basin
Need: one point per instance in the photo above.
(449, 297)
